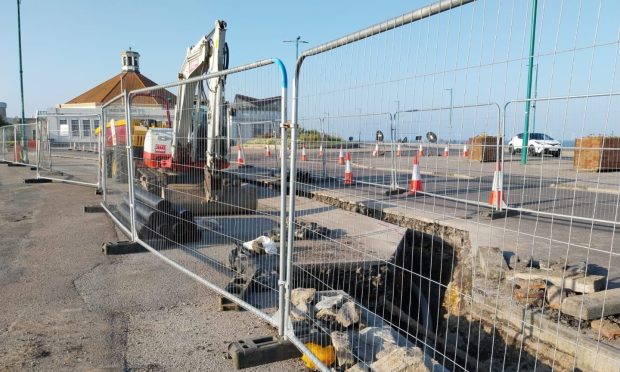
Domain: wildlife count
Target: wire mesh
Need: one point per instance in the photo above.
(420, 235)
(66, 155)
(18, 144)
(203, 165)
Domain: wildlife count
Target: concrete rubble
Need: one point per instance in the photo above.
(593, 305)
(607, 328)
(300, 297)
(360, 338)
(492, 262)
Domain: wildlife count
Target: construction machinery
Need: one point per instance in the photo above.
(184, 161)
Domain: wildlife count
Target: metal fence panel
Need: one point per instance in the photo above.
(208, 204)
(64, 160)
(18, 144)
(407, 249)
(114, 163)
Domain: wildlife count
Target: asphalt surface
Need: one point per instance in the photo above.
(459, 188)
(66, 306)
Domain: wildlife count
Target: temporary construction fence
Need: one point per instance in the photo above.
(406, 225)
(61, 159)
(18, 144)
(439, 236)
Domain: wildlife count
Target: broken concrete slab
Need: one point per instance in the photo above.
(577, 283)
(608, 329)
(300, 297)
(342, 344)
(328, 302)
(555, 295)
(348, 314)
(401, 359)
(492, 262)
(593, 305)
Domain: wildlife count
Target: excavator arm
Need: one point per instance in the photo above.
(209, 55)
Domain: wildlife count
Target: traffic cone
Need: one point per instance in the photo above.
(341, 157)
(375, 152)
(321, 151)
(267, 151)
(240, 159)
(398, 150)
(465, 152)
(348, 174)
(446, 152)
(497, 198)
(421, 151)
(416, 180)
(304, 156)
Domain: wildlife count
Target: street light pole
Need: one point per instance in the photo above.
(21, 83)
(450, 123)
(296, 41)
(526, 124)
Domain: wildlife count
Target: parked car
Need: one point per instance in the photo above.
(539, 144)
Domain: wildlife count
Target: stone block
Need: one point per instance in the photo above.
(492, 262)
(593, 305)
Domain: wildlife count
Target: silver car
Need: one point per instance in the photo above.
(538, 144)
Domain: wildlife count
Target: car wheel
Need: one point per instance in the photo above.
(531, 151)
(557, 154)
(511, 150)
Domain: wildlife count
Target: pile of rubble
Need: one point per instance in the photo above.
(572, 291)
(303, 230)
(357, 339)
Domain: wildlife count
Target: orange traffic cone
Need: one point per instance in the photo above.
(497, 197)
(341, 157)
(240, 159)
(465, 152)
(446, 152)
(17, 153)
(304, 156)
(375, 152)
(321, 151)
(398, 150)
(421, 151)
(416, 180)
(267, 151)
(348, 174)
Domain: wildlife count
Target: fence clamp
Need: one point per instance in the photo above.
(285, 124)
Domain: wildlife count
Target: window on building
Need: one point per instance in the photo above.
(124, 61)
(95, 126)
(63, 127)
(75, 128)
(85, 128)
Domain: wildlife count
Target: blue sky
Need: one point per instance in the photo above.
(71, 45)
(479, 51)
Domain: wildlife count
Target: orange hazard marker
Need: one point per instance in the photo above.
(348, 174)
(497, 198)
(398, 150)
(240, 159)
(375, 152)
(446, 152)
(341, 157)
(321, 151)
(465, 152)
(267, 151)
(421, 151)
(304, 156)
(416, 180)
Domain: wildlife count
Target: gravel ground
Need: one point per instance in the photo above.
(66, 306)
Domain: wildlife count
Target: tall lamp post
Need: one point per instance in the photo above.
(21, 83)
(450, 123)
(393, 178)
(297, 41)
(526, 124)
